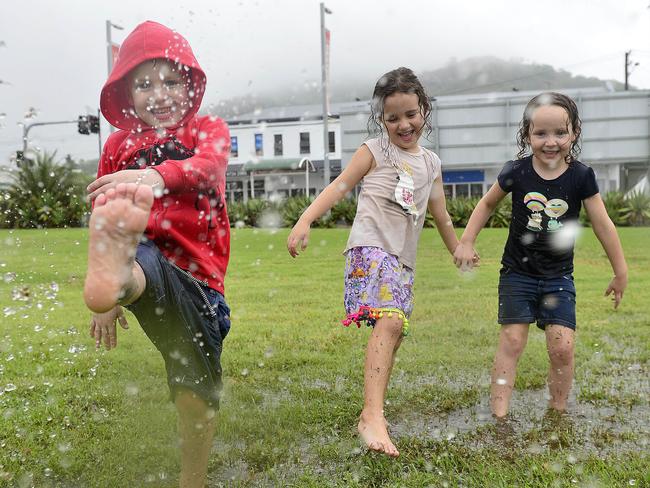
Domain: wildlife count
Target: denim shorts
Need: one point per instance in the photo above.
(524, 300)
(186, 321)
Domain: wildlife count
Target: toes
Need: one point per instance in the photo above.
(110, 194)
(100, 200)
(122, 191)
(143, 197)
(376, 446)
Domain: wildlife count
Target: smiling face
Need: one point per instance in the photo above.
(159, 93)
(402, 116)
(550, 136)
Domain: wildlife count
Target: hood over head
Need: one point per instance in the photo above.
(149, 40)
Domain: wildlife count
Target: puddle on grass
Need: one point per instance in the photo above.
(588, 428)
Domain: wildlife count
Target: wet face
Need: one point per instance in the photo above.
(403, 119)
(159, 93)
(550, 135)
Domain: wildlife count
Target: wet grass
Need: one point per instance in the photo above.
(70, 416)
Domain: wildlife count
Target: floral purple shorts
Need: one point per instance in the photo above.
(376, 283)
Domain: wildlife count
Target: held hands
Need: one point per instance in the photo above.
(298, 238)
(466, 257)
(617, 287)
(103, 326)
(104, 183)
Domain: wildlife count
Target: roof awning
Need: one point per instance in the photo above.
(272, 164)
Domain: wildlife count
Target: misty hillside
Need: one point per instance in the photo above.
(472, 75)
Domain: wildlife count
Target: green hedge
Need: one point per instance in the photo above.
(624, 211)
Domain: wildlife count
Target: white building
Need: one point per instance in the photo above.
(474, 135)
(280, 151)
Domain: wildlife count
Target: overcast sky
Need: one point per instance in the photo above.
(53, 55)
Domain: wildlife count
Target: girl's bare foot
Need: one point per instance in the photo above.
(372, 429)
(116, 225)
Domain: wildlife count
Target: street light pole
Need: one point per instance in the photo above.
(307, 162)
(324, 50)
(28, 127)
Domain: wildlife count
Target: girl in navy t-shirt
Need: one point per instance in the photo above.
(548, 186)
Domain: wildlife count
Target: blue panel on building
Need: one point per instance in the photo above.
(467, 176)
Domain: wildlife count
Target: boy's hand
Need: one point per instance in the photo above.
(466, 257)
(102, 326)
(299, 236)
(617, 287)
(138, 176)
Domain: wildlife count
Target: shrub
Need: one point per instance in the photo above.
(460, 209)
(343, 212)
(293, 208)
(502, 215)
(45, 193)
(637, 209)
(615, 205)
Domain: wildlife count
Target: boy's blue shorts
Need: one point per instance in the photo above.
(186, 321)
(524, 300)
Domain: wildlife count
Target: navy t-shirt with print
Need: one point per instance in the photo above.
(544, 217)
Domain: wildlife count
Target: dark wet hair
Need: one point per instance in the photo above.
(400, 80)
(545, 99)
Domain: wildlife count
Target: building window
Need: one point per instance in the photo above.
(332, 142)
(463, 190)
(234, 148)
(463, 183)
(234, 191)
(257, 191)
(304, 143)
(277, 144)
(259, 145)
(476, 190)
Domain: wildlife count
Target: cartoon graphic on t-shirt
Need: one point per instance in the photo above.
(404, 191)
(555, 208)
(535, 202)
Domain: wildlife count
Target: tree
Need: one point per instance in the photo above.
(45, 194)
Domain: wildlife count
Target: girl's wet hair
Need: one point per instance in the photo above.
(400, 80)
(546, 99)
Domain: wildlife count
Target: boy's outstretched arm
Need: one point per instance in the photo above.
(464, 254)
(606, 233)
(361, 162)
(437, 206)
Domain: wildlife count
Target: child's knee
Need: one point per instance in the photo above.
(513, 344)
(189, 404)
(561, 352)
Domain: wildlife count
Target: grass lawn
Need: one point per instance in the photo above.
(74, 417)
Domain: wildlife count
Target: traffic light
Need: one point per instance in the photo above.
(82, 124)
(87, 124)
(93, 124)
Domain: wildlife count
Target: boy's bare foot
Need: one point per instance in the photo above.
(374, 433)
(116, 225)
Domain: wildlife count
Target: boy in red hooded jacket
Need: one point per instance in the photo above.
(163, 175)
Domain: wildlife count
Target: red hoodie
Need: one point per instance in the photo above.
(189, 223)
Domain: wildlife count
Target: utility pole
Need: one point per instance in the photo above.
(627, 68)
(628, 64)
(324, 50)
(109, 53)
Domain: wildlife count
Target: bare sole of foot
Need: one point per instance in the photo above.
(116, 226)
(375, 435)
